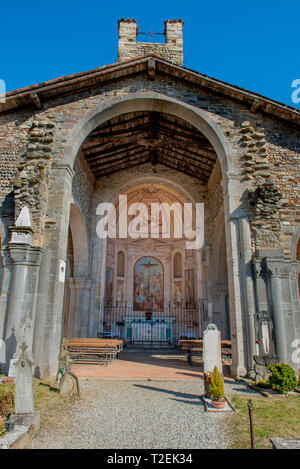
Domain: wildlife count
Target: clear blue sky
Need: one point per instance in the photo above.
(253, 44)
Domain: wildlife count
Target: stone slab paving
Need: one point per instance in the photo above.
(137, 414)
(141, 364)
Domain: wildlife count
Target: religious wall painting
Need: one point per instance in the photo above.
(189, 288)
(109, 285)
(177, 293)
(148, 285)
(120, 293)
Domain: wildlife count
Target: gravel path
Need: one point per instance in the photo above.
(140, 414)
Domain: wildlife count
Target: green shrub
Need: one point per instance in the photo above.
(264, 383)
(283, 378)
(216, 385)
(6, 403)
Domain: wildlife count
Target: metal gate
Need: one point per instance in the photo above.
(151, 329)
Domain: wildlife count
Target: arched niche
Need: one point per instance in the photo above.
(121, 264)
(177, 265)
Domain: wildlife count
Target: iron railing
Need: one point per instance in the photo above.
(151, 328)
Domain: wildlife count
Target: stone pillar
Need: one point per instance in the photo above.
(232, 192)
(97, 287)
(48, 331)
(23, 293)
(279, 272)
(80, 289)
(248, 283)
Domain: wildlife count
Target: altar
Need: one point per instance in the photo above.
(156, 329)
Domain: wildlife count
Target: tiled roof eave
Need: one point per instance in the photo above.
(36, 95)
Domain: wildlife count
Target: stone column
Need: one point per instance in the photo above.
(232, 192)
(23, 293)
(279, 271)
(48, 331)
(248, 282)
(80, 288)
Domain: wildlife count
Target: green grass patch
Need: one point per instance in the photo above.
(46, 400)
(275, 417)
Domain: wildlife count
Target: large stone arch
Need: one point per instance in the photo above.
(150, 101)
(232, 194)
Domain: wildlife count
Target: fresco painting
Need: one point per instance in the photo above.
(148, 285)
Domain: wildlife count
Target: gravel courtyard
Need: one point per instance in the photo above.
(135, 414)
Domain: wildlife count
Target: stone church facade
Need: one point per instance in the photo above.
(149, 128)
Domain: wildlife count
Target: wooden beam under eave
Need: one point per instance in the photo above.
(255, 106)
(36, 100)
(151, 68)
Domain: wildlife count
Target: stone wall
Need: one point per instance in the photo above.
(83, 185)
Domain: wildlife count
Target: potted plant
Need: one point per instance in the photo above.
(217, 390)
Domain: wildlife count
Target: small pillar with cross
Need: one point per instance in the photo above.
(24, 402)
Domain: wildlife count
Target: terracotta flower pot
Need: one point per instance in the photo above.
(219, 404)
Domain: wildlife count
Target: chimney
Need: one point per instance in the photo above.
(130, 48)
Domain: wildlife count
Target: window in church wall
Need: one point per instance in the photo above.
(177, 265)
(121, 264)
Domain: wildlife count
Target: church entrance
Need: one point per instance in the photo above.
(144, 283)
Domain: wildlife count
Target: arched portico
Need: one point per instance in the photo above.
(242, 336)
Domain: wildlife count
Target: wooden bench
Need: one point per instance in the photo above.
(92, 351)
(192, 347)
